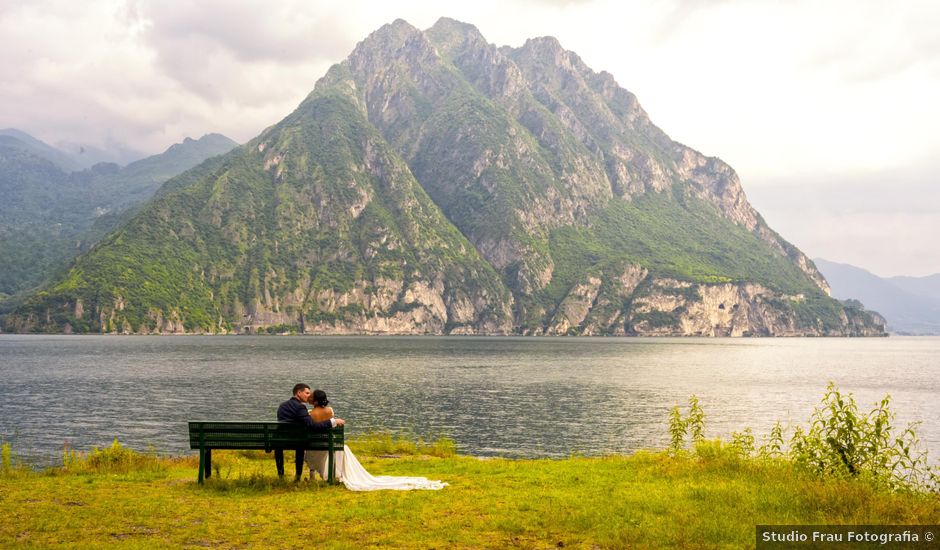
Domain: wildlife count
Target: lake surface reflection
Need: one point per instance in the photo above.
(493, 396)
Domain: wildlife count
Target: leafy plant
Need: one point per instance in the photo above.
(693, 423)
(743, 442)
(840, 442)
(116, 459)
(696, 420)
(677, 430)
(774, 447)
(843, 442)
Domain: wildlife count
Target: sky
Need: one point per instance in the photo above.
(828, 110)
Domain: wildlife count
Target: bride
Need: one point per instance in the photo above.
(348, 470)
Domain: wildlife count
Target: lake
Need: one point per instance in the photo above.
(506, 396)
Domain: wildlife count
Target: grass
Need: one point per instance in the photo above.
(389, 444)
(644, 500)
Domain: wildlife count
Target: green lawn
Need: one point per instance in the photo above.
(643, 500)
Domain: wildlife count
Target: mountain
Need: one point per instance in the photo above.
(911, 305)
(137, 181)
(13, 138)
(86, 155)
(48, 215)
(72, 157)
(924, 286)
(434, 183)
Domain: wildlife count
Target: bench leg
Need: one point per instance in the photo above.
(208, 463)
(202, 462)
(279, 461)
(331, 468)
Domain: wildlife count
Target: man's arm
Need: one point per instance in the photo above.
(325, 424)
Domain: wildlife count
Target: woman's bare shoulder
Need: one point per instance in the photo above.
(321, 413)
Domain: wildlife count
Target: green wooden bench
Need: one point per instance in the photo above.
(266, 436)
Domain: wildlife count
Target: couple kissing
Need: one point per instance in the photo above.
(348, 469)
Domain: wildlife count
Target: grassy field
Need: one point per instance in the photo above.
(646, 500)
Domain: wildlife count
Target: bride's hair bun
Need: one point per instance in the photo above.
(319, 398)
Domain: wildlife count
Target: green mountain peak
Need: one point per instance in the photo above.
(435, 183)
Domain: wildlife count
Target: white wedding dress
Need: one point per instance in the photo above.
(351, 474)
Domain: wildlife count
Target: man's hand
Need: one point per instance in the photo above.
(340, 422)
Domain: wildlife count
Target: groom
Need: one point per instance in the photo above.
(293, 410)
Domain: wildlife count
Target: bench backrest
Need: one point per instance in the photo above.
(261, 435)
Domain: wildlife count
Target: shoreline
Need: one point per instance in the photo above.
(475, 336)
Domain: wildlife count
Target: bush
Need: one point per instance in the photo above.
(774, 448)
(115, 459)
(743, 443)
(693, 423)
(840, 443)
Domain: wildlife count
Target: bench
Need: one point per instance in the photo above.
(266, 436)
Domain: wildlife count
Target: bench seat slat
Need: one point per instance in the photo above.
(259, 435)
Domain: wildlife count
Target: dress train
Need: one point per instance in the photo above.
(351, 474)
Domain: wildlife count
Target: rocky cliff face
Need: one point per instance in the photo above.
(650, 306)
(435, 183)
(599, 142)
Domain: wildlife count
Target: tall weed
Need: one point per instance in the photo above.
(693, 424)
(677, 430)
(774, 447)
(743, 443)
(6, 458)
(115, 459)
(840, 442)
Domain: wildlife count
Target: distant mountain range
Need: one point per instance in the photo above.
(11, 137)
(911, 305)
(51, 209)
(70, 156)
(435, 183)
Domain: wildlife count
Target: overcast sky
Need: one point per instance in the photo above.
(828, 110)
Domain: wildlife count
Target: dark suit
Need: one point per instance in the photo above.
(294, 411)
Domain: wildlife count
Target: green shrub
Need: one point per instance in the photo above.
(774, 448)
(677, 430)
(696, 420)
(693, 423)
(842, 442)
(743, 443)
(115, 459)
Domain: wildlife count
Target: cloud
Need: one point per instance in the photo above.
(886, 222)
(211, 47)
(148, 74)
(66, 68)
(876, 41)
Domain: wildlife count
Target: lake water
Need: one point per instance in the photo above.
(493, 396)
